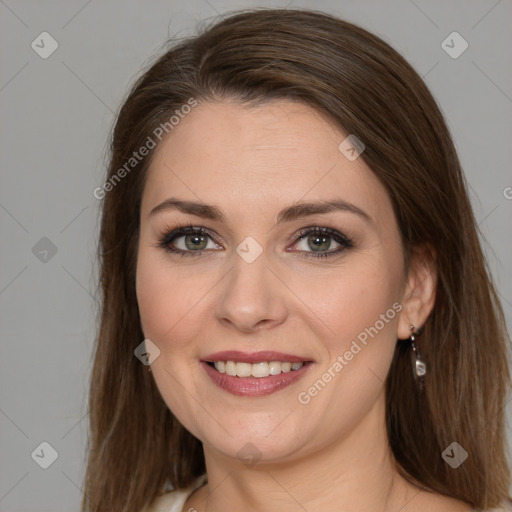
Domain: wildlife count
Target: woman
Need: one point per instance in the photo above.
(288, 247)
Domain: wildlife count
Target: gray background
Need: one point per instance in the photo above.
(56, 116)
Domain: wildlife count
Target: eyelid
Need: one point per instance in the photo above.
(170, 234)
(340, 238)
(322, 230)
(180, 230)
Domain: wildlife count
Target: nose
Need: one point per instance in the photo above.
(252, 297)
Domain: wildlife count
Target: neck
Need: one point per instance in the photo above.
(355, 473)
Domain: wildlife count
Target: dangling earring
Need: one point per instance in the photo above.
(419, 367)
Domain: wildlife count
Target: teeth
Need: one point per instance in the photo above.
(230, 368)
(243, 369)
(275, 368)
(263, 369)
(260, 369)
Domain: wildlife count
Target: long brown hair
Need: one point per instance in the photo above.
(136, 445)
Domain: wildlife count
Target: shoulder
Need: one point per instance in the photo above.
(173, 501)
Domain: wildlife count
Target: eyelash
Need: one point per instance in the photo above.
(169, 235)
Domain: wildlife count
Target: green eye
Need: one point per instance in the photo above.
(196, 239)
(320, 240)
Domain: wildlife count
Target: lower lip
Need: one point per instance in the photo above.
(254, 386)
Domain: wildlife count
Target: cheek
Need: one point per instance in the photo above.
(166, 301)
(355, 300)
(361, 307)
(163, 300)
(173, 302)
(152, 298)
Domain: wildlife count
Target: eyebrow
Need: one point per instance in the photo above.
(288, 214)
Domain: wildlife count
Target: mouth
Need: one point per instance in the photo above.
(257, 374)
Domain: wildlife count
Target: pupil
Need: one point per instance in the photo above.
(320, 242)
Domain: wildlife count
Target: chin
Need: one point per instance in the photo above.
(252, 442)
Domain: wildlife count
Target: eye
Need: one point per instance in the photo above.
(317, 242)
(187, 241)
(320, 240)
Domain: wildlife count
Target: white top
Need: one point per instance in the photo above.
(174, 501)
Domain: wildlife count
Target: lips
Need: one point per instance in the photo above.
(255, 357)
(254, 374)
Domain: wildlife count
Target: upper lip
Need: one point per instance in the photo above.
(254, 357)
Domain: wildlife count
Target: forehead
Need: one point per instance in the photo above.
(260, 158)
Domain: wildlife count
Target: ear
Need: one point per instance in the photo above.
(419, 293)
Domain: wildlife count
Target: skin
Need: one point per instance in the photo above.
(331, 453)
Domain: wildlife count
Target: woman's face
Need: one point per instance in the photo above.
(268, 282)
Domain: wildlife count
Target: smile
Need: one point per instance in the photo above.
(258, 374)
